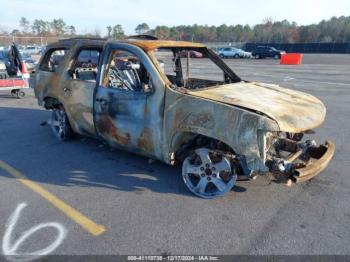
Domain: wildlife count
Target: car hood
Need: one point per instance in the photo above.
(293, 111)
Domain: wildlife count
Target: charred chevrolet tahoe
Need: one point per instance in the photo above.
(147, 98)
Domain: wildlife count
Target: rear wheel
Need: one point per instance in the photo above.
(21, 94)
(222, 56)
(208, 175)
(60, 125)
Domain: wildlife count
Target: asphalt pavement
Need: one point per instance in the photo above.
(143, 207)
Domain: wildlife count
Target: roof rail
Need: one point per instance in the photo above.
(142, 37)
(82, 38)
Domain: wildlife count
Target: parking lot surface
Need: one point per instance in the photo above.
(103, 201)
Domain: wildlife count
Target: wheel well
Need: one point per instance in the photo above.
(51, 102)
(186, 142)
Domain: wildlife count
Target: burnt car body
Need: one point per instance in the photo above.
(143, 97)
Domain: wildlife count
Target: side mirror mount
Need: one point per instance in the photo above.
(148, 88)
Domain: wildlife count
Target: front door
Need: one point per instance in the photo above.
(128, 102)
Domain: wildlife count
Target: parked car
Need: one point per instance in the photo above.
(30, 62)
(267, 51)
(32, 50)
(230, 52)
(3, 71)
(27, 59)
(245, 54)
(217, 126)
(4, 56)
(191, 53)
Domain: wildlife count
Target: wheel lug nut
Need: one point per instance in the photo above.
(213, 168)
(207, 165)
(202, 175)
(214, 175)
(208, 178)
(202, 168)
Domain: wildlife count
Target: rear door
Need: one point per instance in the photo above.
(78, 85)
(129, 101)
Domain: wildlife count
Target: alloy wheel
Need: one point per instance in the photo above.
(207, 176)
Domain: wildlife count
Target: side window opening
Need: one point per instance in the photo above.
(85, 66)
(53, 59)
(126, 72)
(193, 73)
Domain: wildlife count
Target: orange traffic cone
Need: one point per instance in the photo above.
(24, 71)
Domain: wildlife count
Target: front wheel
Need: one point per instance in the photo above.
(60, 125)
(208, 175)
(222, 56)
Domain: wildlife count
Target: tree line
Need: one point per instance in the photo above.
(335, 29)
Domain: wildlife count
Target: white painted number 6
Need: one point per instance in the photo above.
(10, 250)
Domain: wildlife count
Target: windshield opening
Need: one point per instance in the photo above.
(194, 68)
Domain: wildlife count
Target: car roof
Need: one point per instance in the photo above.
(149, 45)
(68, 42)
(146, 45)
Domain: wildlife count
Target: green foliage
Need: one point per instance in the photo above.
(142, 28)
(336, 29)
(24, 24)
(118, 32)
(332, 30)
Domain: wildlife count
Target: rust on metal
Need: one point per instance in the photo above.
(165, 118)
(107, 126)
(149, 45)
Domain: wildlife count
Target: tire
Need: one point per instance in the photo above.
(14, 92)
(222, 56)
(21, 94)
(277, 57)
(60, 124)
(257, 56)
(236, 56)
(207, 177)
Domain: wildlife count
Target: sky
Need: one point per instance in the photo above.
(91, 15)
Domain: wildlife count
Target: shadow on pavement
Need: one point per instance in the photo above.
(83, 162)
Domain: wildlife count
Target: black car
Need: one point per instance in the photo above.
(267, 51)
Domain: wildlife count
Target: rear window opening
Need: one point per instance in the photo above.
(53, 59)
(194, 68)
(85, 66)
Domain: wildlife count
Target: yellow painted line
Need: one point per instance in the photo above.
(75, 215)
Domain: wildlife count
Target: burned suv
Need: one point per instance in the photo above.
(145, 97)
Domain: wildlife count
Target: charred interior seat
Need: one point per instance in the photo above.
(127, 71)
(86, 74)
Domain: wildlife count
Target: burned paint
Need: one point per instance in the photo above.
(149, 45)
(145, 142)
(239, 114)
(203, 120)
(108, 128)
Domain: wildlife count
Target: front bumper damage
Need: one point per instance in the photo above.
(291, 161)
(322, 155)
